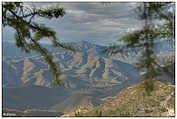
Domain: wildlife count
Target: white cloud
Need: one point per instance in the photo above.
(92, 21)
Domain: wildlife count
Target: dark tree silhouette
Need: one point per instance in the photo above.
(29, 32)
(159, 20)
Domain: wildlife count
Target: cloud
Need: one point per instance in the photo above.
(94, 22)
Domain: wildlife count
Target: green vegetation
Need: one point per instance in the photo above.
(78, 114)
(149, 98)
(30, 32)
(143, 40)
(149, 86)
(134, 101)
(98, 113)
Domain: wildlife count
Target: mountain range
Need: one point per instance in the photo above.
(89, 76)
(88, 67)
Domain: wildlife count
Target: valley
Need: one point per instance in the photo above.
(90, 77)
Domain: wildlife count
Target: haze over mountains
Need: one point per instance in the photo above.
(89, 76)
(89, 66)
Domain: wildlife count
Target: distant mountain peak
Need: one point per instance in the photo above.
(84, 42)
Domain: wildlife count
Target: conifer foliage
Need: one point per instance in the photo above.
(28, 32)
(158, 24)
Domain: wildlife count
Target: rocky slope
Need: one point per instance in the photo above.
(90, 77)
(135, 101)
(88, 67)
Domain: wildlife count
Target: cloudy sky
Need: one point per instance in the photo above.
(97, 23)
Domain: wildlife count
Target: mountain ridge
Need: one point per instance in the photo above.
(135, 102)
(89, 73)
(85, 64)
